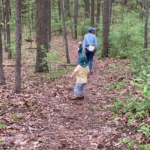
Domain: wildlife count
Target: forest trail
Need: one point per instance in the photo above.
(43, 118)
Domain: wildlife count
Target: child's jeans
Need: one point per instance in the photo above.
(79, 87)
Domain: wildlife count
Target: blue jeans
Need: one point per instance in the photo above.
(89, 56)
(79, 87)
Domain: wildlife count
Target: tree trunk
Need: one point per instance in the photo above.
(87, 8)
(29, 22)
(75, 17)
(105, 28)
(146, 25)
(59, 9)
(98, 12)
(2, 78)
(122, 11)
(18, 47)
(8, 28)
(92, 13)
(49, 23)
(110, 10)
(65, 34)
(4, 23)
(42, 41)
(67, 8)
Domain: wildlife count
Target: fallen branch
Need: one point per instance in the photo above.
(9, 65)
(64, 65)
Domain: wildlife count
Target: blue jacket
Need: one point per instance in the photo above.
(92, 41)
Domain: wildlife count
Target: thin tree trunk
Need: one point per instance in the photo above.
(67, 8)
(29, 22)
(146, 25)
(49, 23)
(42, 40)
(8, 28)
(105, 28)
(92, 13)
(2, 77)
(123, 11)
(4, 23)
(87, 8)
(98, 12)
(32, 15)
(65, 34)
(75, 17)
(110, 10)
(59, 9)
(18, 47)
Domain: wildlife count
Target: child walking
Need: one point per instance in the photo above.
(82, 73)
(80, 48)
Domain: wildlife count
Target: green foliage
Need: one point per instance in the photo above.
(117, 106)
(144, 147)
(14, 117)
(144, 129)
(1, 143)
(131, 145)
(30, 104)
(95, 107)
(1, 125)
(126, 38)
(124, 141)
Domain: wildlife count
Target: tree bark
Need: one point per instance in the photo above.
(75, 17)
(29, 22)
(110, 10)
(8, 28)
(92, 13)
(98, 12)
(146, 25)
(87, 8)
(67, 8)
(18, 47)
(65, 34)
(59, 9)
(2, 77)
(49, 23)
(105, 28)
(4, 23)
(123, 11)
(42, 40)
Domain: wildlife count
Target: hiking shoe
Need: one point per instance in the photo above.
(81, 97)
(91, 72)
(73, 98)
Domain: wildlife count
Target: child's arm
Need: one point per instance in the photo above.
(72, 74)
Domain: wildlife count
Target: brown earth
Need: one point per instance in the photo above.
(43, 118)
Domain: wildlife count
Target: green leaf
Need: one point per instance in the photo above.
(1, 125)
(145, 88)
(144, 72)
(1, 143)
(138, 79)
(130, 120)
(37, 142)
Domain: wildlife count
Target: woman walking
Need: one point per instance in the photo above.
(89, 41)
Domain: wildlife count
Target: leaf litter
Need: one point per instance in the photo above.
(42, 117)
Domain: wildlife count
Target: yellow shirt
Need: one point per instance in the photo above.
(81, 73)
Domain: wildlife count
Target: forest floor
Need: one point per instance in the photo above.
(43, 118)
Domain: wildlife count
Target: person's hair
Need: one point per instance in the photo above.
(90, 31)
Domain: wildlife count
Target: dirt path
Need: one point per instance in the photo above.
(42, 117)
